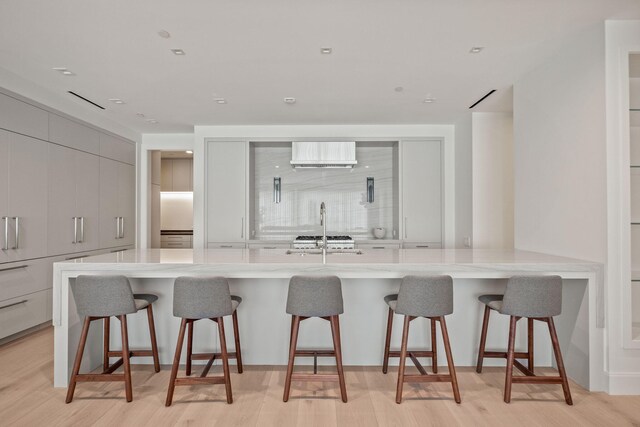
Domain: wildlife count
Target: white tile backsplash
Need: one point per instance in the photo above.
(342, 190)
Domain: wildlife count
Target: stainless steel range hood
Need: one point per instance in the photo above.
(323, 154)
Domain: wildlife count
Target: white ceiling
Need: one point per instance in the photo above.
(254, 53)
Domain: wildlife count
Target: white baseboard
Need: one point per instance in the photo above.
(624, 383)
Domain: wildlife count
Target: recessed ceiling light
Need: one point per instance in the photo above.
(290, 100)
(326, 51)
(178, 52)
(116, 100)
(476, 49)
(220, 100)
(164, 34)
(189, 152)
(64, 71)
(152, 121)
(429, 100)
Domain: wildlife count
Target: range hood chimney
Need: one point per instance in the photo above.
(323, 154)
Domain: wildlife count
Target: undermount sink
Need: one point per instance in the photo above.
(303, 252)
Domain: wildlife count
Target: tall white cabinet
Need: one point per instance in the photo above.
(53, 172)
(421, 187)
(226, 193)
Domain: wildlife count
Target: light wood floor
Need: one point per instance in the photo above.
(27, 397)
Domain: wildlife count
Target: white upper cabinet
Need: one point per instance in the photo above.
(4, 194)
(421, 170)
(26, 191)
(73, 201)
(177, 175)
(117, 203)
(117, 149)
(20, 117)
(226, 191)
(74, 135)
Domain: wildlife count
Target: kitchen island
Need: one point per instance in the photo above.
(260, 277)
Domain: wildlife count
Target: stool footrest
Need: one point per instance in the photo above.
(537, 380)
(114, 366)
(315, 353)
(315, 377)
(523, 369)
(503, 354)
(132, 353)
(427, 378)
(99, 377)
(207, 356)
(199, 380)
(421, 353)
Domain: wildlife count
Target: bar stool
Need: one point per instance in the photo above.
(535, 298)
(315, 296)
(101, 297)
(196, 298)
(421, 296)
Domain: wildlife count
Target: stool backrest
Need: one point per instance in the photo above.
(100, 296)
(201, 297)
(533, 296)
(315, 296)
(425, 296)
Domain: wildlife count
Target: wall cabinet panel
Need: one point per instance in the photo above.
(74, 135)
(20, 117)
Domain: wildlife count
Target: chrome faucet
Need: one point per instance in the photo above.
(323, 223)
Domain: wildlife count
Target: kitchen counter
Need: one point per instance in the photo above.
(261, 276)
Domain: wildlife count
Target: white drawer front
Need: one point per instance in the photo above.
(24, 312)
(21, 278)
(176, 245)
(232, 245)
(420, 245)
(267, 245)
(175, 238)
(378, 246)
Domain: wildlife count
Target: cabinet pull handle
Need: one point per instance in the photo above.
(81, 230)
(16, 220)
(226, 246)
(15, 303)
(405, 227)
(76, 257)
(122, 227)
(75, 230)
(422, 246)
(17, 267)
(117, 227)
(378, 247)
(5, 246)
(269, 247)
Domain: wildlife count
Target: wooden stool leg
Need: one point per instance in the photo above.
(403, 358)
(176, 362)
(105, 344)
(295, 325)
(236, 336)
(559, 361)
(483, 338)
(510, 359)
(78, 361)
(452, 367)
(337, 347)
(387, 342)
(189, 347)
(434, 348)
(125, 357)
(225, 360)
(530, 344)
(154, 342)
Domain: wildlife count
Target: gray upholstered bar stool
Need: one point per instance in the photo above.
(101, 297)
(315, 296)
(196, 298)
(421, 296)
(536, 298)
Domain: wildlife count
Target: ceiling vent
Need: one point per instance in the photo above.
(85, 99)
(482, 99)
(323, 154)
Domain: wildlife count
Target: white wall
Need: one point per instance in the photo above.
(324, 131)
(464, 182)
(560, 159)
(492, 171)
(622, 37)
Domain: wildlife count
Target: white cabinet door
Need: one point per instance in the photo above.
(87, 168)
(4, 193)
(28, 196)
(127, 203)
(226, 191)
(166, 175)
(422, 191)
(109, 203)
(182, 175)
(62, 200)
